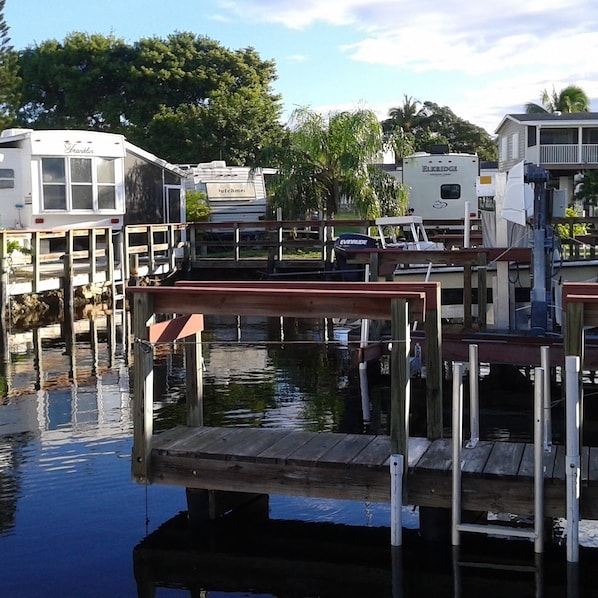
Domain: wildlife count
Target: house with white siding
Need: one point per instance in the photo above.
(564, 144)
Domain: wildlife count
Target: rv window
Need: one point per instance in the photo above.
(54, 178)
(78, 184)
(7, 178)
(81, 184)
(450, 191)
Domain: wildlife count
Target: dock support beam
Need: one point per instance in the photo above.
(400, 384)
(572, 457)
(143, 387)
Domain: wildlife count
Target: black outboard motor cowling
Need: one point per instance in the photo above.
(344, 245)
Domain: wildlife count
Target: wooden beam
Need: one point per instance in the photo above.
(143, 388)
(259, 300)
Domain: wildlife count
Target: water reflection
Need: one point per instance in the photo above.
(70, 516)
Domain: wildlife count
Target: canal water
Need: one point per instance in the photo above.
(73, 523)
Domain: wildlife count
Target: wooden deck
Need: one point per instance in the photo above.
(497, 476)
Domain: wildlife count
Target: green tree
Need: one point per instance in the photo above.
(78, 83)
(430, 123)
(569, 99)
(587, 191)
(185, 98)
(10, 81)
(327, 158)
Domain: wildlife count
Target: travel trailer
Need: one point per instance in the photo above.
(441, 184)
(77, 178)
(234, 193)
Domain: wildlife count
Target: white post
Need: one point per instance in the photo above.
(545, 364)
(572, 459)
(457, 425)
(363, 366)
(474, 397)
(538, 460)
(365, 392)
(396, 499)
(466, 226)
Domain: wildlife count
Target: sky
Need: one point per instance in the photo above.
(482, 59)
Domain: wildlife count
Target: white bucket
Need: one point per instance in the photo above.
(341, 335)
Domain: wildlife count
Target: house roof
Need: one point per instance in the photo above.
(569, 118)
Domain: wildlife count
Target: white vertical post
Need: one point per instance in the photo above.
(363, 366)
(466, 225)
(572, 459)
(365, 392)
(457, 425)
(474, 397)
(396, 499)
(538, 460)
(545, 364)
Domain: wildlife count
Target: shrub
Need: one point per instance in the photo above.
(197, 207)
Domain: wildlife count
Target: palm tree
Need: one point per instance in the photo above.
(569, 99)
(327, 158)
(407, 116)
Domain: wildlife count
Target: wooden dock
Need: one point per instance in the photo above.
(498, 476)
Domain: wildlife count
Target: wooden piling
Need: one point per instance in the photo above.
(143, 382)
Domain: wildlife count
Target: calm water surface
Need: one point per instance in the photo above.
(71, 518)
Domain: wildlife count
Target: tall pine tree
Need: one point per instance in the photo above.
(10, 82)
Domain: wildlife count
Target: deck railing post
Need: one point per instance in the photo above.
(434, 365)
(194, 379)
(474, 398)
(143, 387)
(457, 427)
(396, 499)
(572, 458)
(545, 365)
(539, 402)
(400, 382)
(4, 294)
(68, 275)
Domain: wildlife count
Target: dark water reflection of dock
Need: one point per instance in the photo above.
(71, 518)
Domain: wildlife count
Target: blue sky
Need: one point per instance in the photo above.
(482, 59)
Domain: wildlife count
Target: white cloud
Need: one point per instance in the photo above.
(298, 58)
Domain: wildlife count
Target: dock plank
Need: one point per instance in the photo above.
(188, 439)
(375, 454)
(218, 444)
(558, 473)
(526, 467)
(284, 447)
(504, 459)
(249, 445)
(345, 451)
(474, 459)
(417, 447)
(438, 457)
(310, 453)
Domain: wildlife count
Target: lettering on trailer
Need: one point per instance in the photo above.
(439, 169)
(72, 148)
(230, 190)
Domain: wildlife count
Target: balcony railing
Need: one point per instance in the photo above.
(569, 154)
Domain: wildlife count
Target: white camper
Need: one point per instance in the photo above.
(441, 184)
(78, 178)
(234, 193)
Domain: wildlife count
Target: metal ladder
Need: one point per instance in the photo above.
(537, 533)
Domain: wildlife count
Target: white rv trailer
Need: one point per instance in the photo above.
(234, 193)
(441, 184)
(77, 178)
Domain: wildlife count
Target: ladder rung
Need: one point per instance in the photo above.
(498, 566)
(497, 530)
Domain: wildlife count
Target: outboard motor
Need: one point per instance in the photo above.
(344, 246)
